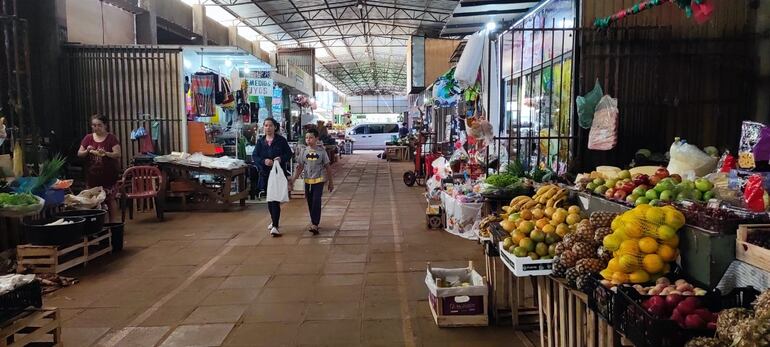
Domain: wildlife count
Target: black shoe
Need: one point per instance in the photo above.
(313, 230)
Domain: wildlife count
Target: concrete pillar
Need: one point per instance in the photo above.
(232, 36)
(147, 23)
(199, 22)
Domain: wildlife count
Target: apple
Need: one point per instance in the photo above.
(628, 187)
(654, 180)
(610, 183)
(591, 186)
(709, 195)
(630, 199)
(694, 321)
(677, 317)
(703, 185)
(641, 201)
(654, 202)
(665, 195)
(639, 191)
(609, 193)
(624, 174)
(598, 181)
(640, 179)
(661, 172)
(672, 300)
(676, 178)
(600, 190)
(688, 305)
(620, 195)
(651, 194)
(664, 185)
(696, 195)
(687, 184)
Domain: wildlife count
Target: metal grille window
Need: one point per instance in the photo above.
(536, 125)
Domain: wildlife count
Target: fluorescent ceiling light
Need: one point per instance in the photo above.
(491, 26)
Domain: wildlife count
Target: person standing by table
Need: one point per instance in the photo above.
(102, 151)
(314, 162)
(272, 148)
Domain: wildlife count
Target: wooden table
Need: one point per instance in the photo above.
(223, 196)
(400, 153)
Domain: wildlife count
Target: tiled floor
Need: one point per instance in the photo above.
(210, 279)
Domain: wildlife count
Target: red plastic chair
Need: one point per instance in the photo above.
(143, 183)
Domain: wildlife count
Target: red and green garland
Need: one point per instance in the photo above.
(700, 9)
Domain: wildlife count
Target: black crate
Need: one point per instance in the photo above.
(600, 298)
(644, 330)
(16, 301)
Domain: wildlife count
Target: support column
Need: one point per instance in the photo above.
(199, 22)
(232, 36)
(147, 23)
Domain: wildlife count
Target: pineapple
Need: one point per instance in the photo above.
(559, 268)
(560, 248)
(585, 232)
(583, 250)
(568, 258)
(600, 233)
(706, 342)
(571, 276)
(602, 219)
(603, 254)
(589, 265)
(582, 283)
(762, 305)
(727, 321)
(753, 332)
(569, 240)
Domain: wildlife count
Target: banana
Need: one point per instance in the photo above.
(558, 202)
(517, 199)
(530, 204)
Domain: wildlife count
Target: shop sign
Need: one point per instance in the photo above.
(277, 102)
(260, 83)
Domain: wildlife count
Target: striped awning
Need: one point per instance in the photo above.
(471, 16)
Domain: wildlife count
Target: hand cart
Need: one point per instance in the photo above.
(424, 156)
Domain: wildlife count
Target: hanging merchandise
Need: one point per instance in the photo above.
(467, 69)
(202, 89)
(18, 160)
(700, 9)
(227, 100)
(586, 105)
(604, 131)
(750, 136)
(446, 90)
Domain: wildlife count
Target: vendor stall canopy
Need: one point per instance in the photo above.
(360, 44)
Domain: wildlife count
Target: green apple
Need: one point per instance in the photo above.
(651, 194)
(610, 183)
(689, 184)
(703, 185)
(664, 185)
(624, 174)
(600, 190)
(696, 194)
(631, 199)
(654, 202)
(598, 181)
(682, 196)
(641, 201)
(591, 186)
(639, 191)
(666, 195)
(708, 195)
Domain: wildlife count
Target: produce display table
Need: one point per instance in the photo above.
(399, 153)
(38, 327)
(222, 195)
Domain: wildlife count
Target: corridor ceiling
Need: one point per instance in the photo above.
(360, 44)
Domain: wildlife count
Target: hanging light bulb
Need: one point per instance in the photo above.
(360, 5)
(491, 26)
(228, 63)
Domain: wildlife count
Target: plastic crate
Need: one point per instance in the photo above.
(600, 298)
(16, 301)
(644, 330)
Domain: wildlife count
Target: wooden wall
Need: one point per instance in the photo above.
(437, 55)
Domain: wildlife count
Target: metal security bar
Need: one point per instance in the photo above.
(133, 86)
(536, 123)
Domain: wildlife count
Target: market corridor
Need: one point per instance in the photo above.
(213, 279)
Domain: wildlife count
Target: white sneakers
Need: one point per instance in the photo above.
(274, 232)
(270, 227)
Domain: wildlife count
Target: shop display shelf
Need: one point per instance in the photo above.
(644, 330)
(20, 299)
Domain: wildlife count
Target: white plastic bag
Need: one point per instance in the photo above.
(689, 161)
(604, 129)
(277, 185)
(468, 66)
(87, 199)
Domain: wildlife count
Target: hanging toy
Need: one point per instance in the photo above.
(700, 9)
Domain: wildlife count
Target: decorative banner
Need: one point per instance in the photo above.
(277, 102)
(260, 83)
(701, 9)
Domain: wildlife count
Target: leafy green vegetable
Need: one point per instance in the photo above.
(515, 168)
(20, 199)
(501, 180)
(48, 172)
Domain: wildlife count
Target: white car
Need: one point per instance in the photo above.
(373, 135)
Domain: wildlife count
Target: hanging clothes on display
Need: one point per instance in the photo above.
(203, 93)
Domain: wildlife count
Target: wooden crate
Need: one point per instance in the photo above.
(511, 298)
(749, 253)
(39, 327)
(566, 320)
(55, 259)
(445, 319)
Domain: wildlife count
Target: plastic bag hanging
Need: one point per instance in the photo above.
(604, 129)
(277, 185)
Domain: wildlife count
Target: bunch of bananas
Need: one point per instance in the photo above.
(521, 202)
(485, 222)
(551, 195)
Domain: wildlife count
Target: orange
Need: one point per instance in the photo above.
(673, 242)
(667, 253)
(573, 219)
(547, 228)
(619, 278)
(526, 227)
(541, 223)
(613, 265)
(526, 214)
(508, 225)
(628, 263)
(666, 232)
(573, 210)
(617, 222)
(527, 244)
(648, 245)
(652, 263)
(655, 215)
(562, 230)
(516, 237)
(559, 217)
(639, 276)
(538, 213)
(611, 242)
(606, 274)
(630, 247)
(549, 211)
(674, 218)
(634, 229)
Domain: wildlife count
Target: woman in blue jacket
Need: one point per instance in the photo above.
(272, 148)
